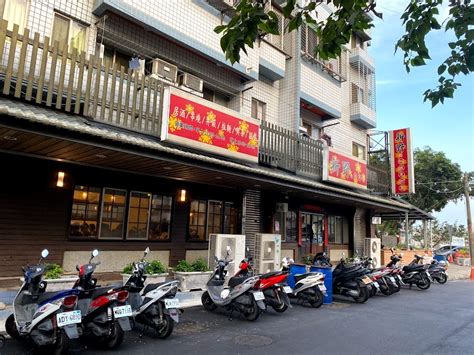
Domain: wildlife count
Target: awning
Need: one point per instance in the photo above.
(414, 213)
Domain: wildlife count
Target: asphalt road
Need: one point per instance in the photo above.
(437, 321)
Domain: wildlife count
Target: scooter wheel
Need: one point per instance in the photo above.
(253, 313)
(424, 283)
(207, 302)
(442, 278)
(373, 291)
(115, 339)
(280, 308)
(10, 327)
(363, 295)
(165, 329)
(317, 301)
(2, 341)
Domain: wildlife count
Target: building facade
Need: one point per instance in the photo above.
(83, 134)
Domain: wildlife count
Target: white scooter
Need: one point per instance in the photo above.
(308, 287)
(240, 296)
(48, 319)
(153, 305)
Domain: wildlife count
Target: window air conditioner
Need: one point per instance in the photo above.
(267, 252)
(189, 81)
(372, 249)
(164, 70)
(218, 244)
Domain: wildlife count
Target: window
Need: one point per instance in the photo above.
(291, 226)
(197, 220)
(85, 212)
(357, 42)
(206, 217)
(358, 150)
(259, 109)
(139, 208)
(311, 130)
(15, 12)
(69, 31)
(338, 230)
(113, 214)
(113, 56)
(160, 218)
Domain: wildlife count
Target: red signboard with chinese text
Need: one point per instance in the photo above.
(401, 160)
(343, 169)
(197, 123)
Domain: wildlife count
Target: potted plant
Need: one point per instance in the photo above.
(53, 275)
(155, 272)
(192, 276)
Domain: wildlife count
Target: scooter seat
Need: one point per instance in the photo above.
(415, 267)
(151, 287)
(237, 280)
(270, 274)
(299, 277)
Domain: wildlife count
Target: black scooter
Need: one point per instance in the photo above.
(350, 280)
(437, 270)
(418, 274)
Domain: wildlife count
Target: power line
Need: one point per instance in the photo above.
(437, 182)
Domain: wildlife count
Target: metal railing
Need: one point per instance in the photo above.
(378, 179)
(52, 75)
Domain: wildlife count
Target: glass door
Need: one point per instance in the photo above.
(312, 232)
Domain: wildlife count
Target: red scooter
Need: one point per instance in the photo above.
(272, 284)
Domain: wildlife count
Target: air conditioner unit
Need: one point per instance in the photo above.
(267, 252)
(190, 81)
(164, 70)
(372, 249)
(218, 244)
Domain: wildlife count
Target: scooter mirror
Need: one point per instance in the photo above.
(44, 253)
(147, 250)
(95, 252)
(228, 248)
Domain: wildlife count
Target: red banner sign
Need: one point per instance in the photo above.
(345, 170)
(197, 123)
(401, 160)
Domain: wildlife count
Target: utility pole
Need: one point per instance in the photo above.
(469, 222)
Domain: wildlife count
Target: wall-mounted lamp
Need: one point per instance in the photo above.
(60, 181)
(182, 195)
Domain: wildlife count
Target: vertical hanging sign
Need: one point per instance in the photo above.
(401, 161)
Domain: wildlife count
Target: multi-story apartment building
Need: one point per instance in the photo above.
(85, 162)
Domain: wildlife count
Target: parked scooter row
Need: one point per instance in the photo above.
(48, 320)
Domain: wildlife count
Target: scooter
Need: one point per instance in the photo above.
(48, 319)
(437, 270)
(105, 314)
(272, 284)
(308, 288)
(417, 274)
(153, 305)
(351, 281)
(240, 296)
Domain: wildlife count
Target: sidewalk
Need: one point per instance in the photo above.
(458, 272)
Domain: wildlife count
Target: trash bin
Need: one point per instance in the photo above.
(295, 269)
(440, 257)
(327, 272)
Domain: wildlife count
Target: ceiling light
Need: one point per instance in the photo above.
(102, 156)
(9, 138)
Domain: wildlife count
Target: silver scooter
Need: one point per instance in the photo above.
(240, 295)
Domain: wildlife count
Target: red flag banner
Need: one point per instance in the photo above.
(343, 169)
(191, 121)
(401, 160)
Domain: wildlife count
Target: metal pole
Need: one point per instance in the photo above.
(470, 233)
(431, 235)
(407, 238)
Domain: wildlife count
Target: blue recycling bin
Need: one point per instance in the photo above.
(440, 257)
(295, 269)
(327, 272)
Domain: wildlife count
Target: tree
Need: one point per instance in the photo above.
(438, 180)
(441, 232)
(251, 23)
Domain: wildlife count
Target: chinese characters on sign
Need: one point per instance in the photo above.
(401, 158)
(345, 170)
(197, 123)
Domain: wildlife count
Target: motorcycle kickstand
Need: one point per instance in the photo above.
(144, 329)
(230, 314)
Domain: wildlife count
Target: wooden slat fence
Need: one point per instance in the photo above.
(55, 76)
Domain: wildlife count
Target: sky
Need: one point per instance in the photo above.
(448, 128)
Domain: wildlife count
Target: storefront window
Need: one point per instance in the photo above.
(85, 212)
(214, 218)
(139, 207)
(338, 230)
(197, 220)
(113, 214)
(160, 219)
(231, 219)
(291, 234)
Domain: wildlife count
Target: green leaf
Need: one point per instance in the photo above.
(441, 69)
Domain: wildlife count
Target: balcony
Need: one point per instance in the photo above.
(363, 115)
(358, 55)
(46, 75)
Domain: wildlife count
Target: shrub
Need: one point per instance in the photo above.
(200, 265)
(183, 266)
(52, 271)
(153, 267)
(308, 259)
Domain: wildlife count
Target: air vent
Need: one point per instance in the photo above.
(164, 70)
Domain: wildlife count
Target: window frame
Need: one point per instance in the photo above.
(359, 148)
(188, 237)
(25, 15)
(139, 208)
(71, 20)
(344, 240)
(258, 103)
(71, 211)
(99, 237)
(170, 221)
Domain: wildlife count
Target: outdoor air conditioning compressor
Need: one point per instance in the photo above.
(267, 252)
(218, 244)
(372, 249)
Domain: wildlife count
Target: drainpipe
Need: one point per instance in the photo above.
(407, 235)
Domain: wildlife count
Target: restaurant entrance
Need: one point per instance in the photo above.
(312, 232)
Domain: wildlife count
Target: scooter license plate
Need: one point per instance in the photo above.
(376, 284)
(287, 289)
(171, 303)
(66, 318)
(366, 280)
(322, 287)
(258, 295)
(393, 280)
(122, 311)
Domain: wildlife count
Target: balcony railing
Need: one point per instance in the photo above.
(378, 179)
(49, 74)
